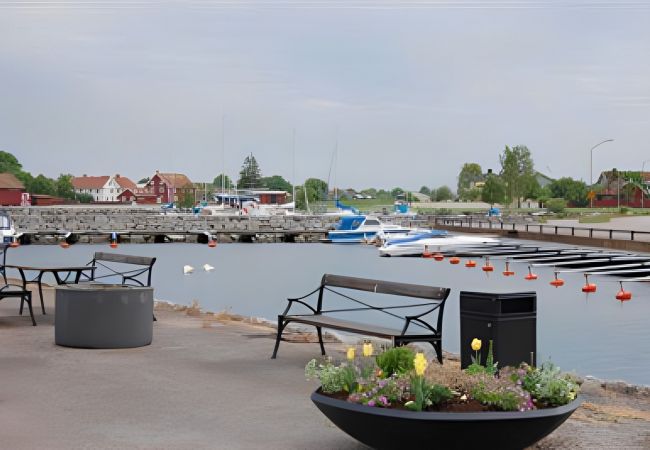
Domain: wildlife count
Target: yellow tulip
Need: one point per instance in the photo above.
(351, 353)
(420, 363)
(476, 345)
(367, 349)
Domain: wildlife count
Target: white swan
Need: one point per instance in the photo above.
(187, 269)
(207, 267)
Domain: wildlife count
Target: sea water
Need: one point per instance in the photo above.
(593, 334)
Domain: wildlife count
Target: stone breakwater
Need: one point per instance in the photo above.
(91, 225)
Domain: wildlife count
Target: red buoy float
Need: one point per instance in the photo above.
(64, 244)
(438, 256)
(530, 276)
(557, 282)
(487, 267)
(212, 243)
(427, 253)
(454, 260)
(470, 263)
(507, 272)
(113, 240)
(623, 295)
(588, 287)
(14, 244)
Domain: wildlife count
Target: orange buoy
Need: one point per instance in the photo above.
(557, 282)
(427, 253)
(588, 287)
(212, 243)
(487, 267)
(623, 295)
(454, 260)
(470, 263)
(14, 244)
(438, 256)
(64, 244)
(113, 244)
(530, 276)
(507, 272)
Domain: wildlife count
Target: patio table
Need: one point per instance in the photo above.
(62, 275)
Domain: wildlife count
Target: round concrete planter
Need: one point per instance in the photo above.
(393, 428)
(103, 316)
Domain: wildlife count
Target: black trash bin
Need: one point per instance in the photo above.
(508, 320)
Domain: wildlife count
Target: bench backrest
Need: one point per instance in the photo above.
(145, 262)
(385, 287)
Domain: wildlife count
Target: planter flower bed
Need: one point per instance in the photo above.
(397, 398)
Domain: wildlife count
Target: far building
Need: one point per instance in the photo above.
(616, 192)
(11, 190)
(167, 188)
(104, 189)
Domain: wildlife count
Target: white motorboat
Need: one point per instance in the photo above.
(359, 228)
(417, 245)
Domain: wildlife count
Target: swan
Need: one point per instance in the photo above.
(207, 267)
(187, 269)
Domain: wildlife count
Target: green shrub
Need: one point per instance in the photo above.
(556, 205)
(550, 386)
(397, 360)
(330, 376)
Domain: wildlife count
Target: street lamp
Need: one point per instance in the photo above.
(643, 182)
(591, 169)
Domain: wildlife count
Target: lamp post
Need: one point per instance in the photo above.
(591, 169)
(643, 182)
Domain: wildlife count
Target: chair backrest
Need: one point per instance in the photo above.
(3, 258)
(112, 263)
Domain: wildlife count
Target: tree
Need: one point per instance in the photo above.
(468, 176)
(316, 189)
(276, 183)
(227, 182)
(64, 186)
(9, 163)
(516, 168)
(43, 185)
(494, 190)
(442, 194)
(250, 174)
(144, 180)
(573, 191)
(425, 190)
(396, 191)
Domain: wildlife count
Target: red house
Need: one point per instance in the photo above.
(618, 192)
(169, 187)
(11, 190)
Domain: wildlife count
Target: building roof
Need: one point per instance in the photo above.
(90, 182)
(124, 182)
(9, 181)
(177, 180)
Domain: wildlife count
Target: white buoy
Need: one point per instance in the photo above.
(187, 269)
(207, 267)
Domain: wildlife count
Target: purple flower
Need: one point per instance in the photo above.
(371, 403)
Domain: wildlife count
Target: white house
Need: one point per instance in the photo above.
(103, 188)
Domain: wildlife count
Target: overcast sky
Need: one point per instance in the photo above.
(410, 90)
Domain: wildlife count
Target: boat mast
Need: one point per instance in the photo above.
(293, 194)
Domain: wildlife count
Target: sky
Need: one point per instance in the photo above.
(377, 93)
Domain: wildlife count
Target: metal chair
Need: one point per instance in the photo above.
(9, 290)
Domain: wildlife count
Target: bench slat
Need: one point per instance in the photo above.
(345, 325)
(386, 287)
(124, 259)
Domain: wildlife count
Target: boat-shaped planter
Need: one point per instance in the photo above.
(385, 428)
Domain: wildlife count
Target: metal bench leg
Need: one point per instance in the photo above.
(28, 299)
(281, 326)
(437, 346)
(320, 340)
(40, 292)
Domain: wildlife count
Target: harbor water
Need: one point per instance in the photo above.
(593, 334)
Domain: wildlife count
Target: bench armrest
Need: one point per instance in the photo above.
(300, 300)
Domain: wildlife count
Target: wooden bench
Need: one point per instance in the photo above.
(415, 327)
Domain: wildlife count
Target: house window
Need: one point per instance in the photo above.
(161, 189)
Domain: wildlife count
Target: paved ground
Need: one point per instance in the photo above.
(207, 383)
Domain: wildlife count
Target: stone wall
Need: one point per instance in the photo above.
(86, 221)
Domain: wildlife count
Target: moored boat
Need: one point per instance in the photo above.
(359, 228)
(417, 245)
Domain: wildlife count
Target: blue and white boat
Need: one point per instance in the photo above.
(359, 228)
(439, 242)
